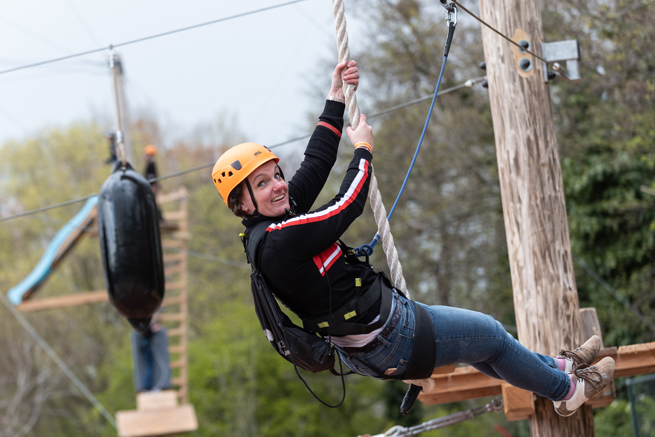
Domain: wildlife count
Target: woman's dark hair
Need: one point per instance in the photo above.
(234, 201)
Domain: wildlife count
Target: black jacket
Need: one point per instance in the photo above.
(300, 247)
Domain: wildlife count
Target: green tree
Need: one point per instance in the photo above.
(606, 135)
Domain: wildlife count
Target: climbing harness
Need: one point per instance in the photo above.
(451, 21)
(305, 349)
(300, 346)
(496, 406)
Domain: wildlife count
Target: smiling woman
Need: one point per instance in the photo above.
(270, 192)
(376, 330)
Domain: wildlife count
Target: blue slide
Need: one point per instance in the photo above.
(45, 265)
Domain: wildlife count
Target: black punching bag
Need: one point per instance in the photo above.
(130, 245)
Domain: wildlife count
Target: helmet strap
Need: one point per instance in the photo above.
(252, 197)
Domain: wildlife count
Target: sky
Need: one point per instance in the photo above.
(258, 68)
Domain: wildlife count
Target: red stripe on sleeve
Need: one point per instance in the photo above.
(329, 126)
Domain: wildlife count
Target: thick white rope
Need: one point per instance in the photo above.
(379, 211)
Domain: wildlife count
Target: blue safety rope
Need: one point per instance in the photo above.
(451, 19)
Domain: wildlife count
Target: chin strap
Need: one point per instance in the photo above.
(292, 203)
(252, 197)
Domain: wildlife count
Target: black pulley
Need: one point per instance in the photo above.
(130, 245)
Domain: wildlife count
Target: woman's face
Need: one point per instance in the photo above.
(270, 190)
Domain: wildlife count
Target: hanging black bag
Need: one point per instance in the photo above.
(130, 245)
(301, 347)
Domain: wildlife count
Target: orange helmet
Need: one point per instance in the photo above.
(234, 166)
(150, 150)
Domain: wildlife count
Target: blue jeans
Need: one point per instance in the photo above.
(464, 336)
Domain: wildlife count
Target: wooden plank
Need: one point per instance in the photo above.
(182, 394)
(170, 258)
(518, 404)
(444, 370)
(181, 235)
(69, 300)
(168, 227)
(166, 421)
(175, 244)
(636, 359)
(172, 196)
(467, 383)
(167, 317)
(175, 215)
(174, 270)
(177, 364)
(85, 298)
(590, 324)
(175, 285)
(460, 395)
(173, 300)
(176, 349)
(156, 400)
(176, 332)
(178, 381)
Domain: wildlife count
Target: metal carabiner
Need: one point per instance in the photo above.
(451, 15)
(449, 7)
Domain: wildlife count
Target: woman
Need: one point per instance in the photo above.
(308, 271)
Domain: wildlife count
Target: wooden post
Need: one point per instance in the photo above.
(545, 295)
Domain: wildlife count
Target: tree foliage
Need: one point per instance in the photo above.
(606, 133)
(448, 228)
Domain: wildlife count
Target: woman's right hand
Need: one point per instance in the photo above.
(362, 134)
(343, 73)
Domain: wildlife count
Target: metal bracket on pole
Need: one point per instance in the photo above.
(559, 51)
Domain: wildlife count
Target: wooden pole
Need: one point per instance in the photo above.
(545, 295)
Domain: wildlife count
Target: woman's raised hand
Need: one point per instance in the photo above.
(362, 134)
(350, 75)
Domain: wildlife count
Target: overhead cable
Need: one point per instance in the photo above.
(64, 368)
(46, 208)
(211, 258)
(522, 49)
(146, 38)
(468, 83)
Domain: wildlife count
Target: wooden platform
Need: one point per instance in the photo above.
(467, 383)
(157, 414)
